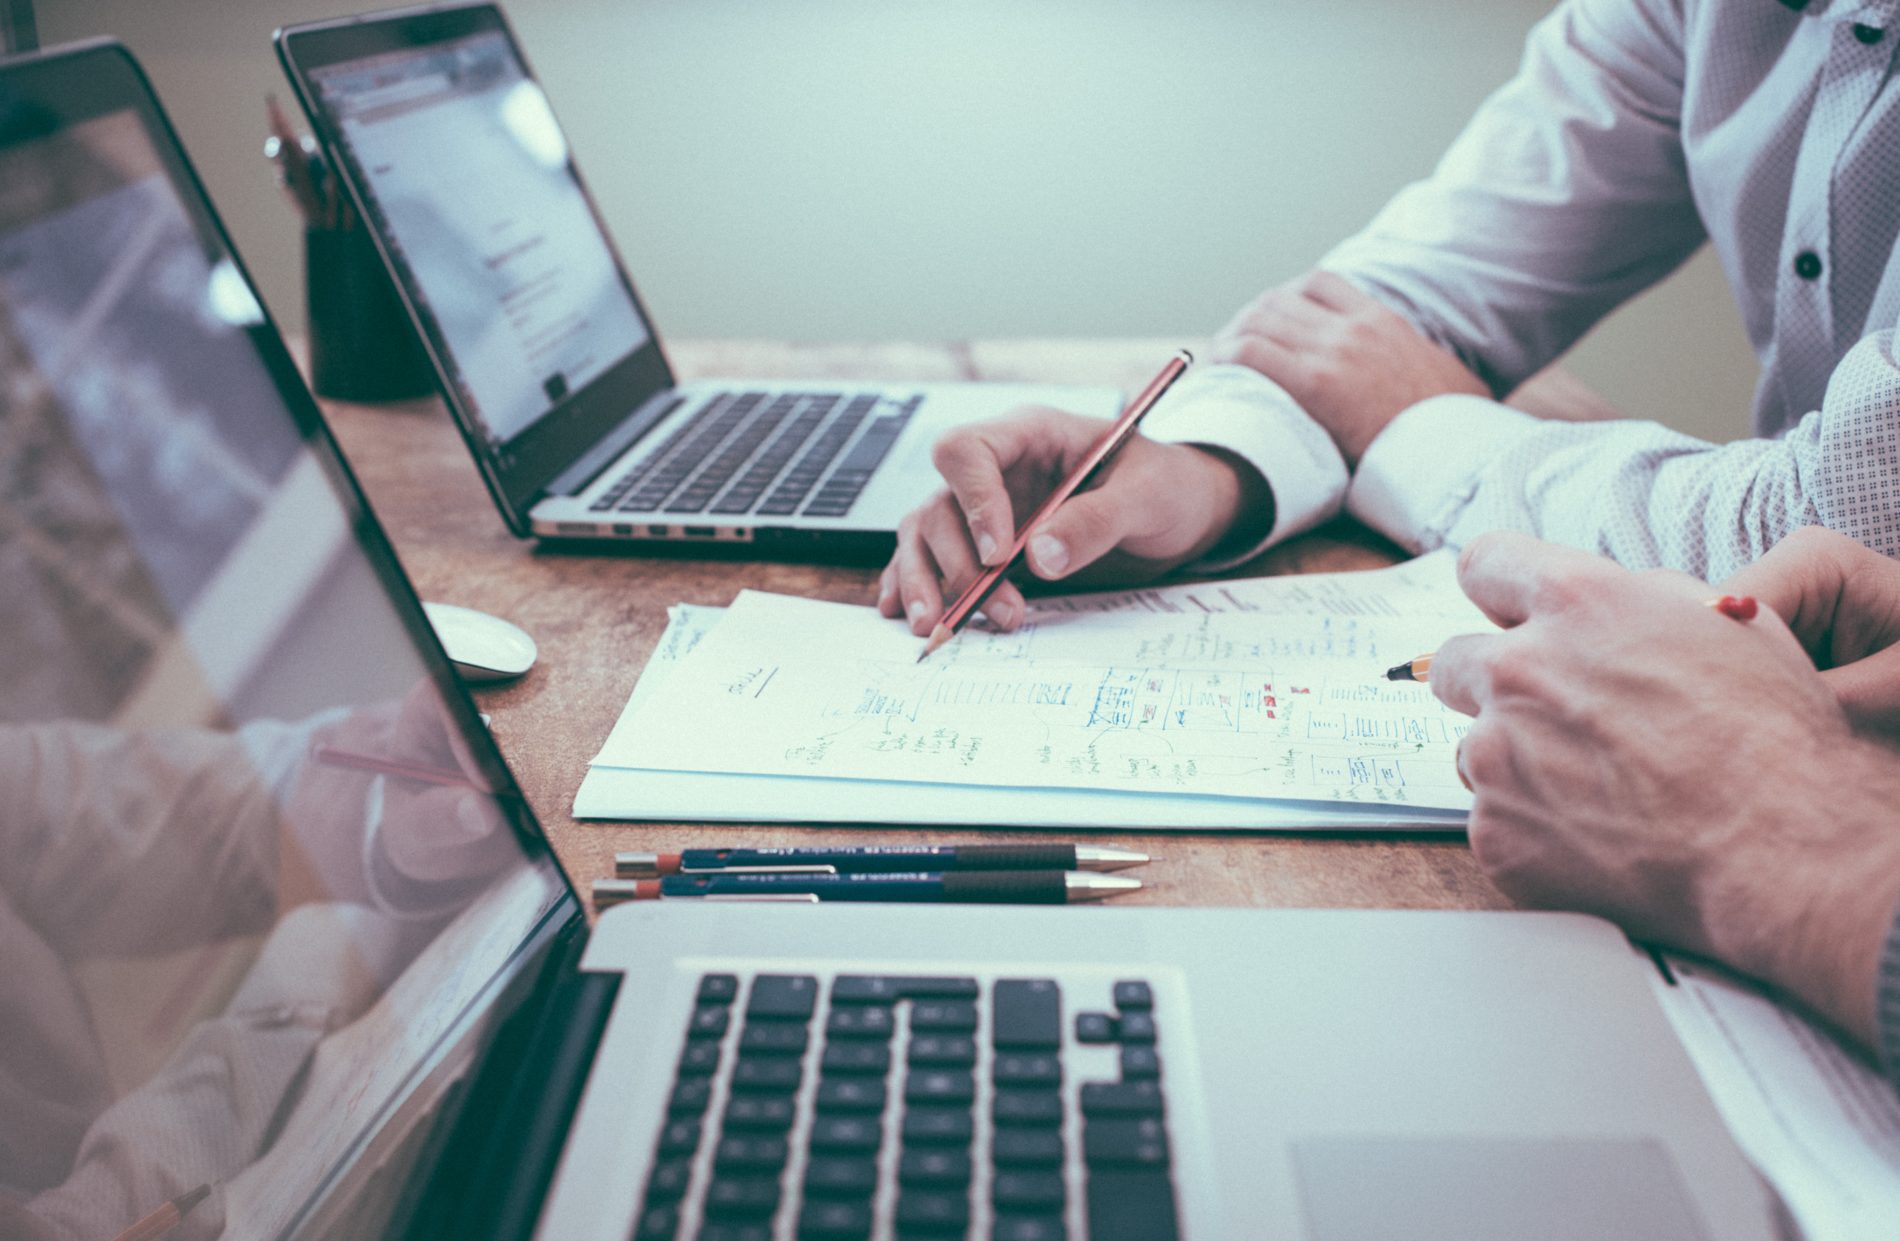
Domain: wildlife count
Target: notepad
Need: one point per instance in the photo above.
(1244, 704)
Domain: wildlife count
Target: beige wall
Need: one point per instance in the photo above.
(820, 169)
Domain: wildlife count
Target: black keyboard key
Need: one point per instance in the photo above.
(1140, 1064)
(690, 1096)
(679, 1137)
(1027, 1189)
(772, 1038)
(1121, 1099)
(760, 1114)
(1029, 1228)
(846, 1134)
(840, 1176)
(1027, 1148)
(727, 1230)
(940, 1086)
(657, 1224)
(1139, 1142)
(857, 1058)
(943, 1016)
(928, 1212)
(750, 1154)
(884, 989)
(782, 997)
(718, 989)
(1027, 1107)
(1027, 1014)
(939, 1168)
(938, 1126)
(850, 1094)
(668, 1181)
(874, 1023)
(834, 1221)
(1020, 1069)
(1130, 1204)
(950, 1051)
(766, 1075)
(1138, 1027)
(1133, 995)
(700, 1059)
(1095, 1028)
(708, 1022)
(741, 1197)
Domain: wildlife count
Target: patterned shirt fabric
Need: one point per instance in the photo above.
(1633, 131)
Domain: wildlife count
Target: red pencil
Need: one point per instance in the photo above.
(972, 598)
(332, 756)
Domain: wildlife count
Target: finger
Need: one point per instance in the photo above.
(1461, 670)
(1840, 598)
(948, 541)
(1869, 692)
(1255, 351)
(1335, 292)
(1081, 532)
(1006, 606)
(1513, 576)
(973, 459)
(918, 584)
(887, 601)
(1284, 315)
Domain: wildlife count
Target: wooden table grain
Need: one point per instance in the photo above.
(597, 617)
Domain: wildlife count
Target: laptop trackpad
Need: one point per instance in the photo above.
(1491, 1189)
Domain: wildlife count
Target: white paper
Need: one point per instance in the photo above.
(1270, 688)
(1821, 1126)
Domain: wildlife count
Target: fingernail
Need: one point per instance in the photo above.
(470, 818)
(986, 548)
(1051, 556)
(1005, 614)
(917, 608)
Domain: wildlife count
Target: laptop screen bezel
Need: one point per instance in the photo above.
(518, 475)
(98, 78)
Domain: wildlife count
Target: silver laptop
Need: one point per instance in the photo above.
(544, 352)
(288, 956)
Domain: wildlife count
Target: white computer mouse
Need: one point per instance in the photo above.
(482, 647)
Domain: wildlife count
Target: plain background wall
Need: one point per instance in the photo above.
(889, 169)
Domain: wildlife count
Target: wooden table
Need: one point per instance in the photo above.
(597, 617)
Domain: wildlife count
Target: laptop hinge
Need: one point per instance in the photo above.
(496, 1168)
(579, 476)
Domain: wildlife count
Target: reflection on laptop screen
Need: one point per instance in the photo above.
(231, 952)
(468, 173)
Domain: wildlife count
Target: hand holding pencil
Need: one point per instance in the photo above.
(1156, 506)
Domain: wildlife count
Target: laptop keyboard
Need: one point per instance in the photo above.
(909, 1106)
(746, 452)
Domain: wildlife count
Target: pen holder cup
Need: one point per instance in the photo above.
(363, 346)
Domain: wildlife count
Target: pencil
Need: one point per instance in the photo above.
(1105, 449)
(333, 756)
(166, 1218)
(1736, 607)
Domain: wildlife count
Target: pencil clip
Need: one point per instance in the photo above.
(802, 898)
(788, 869)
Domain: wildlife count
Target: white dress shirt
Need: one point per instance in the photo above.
(1633, 131)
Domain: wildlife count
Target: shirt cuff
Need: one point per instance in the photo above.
(1421, 471)
(1887, 1004)
(1241, 411)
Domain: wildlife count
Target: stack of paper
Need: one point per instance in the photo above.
(1244, 704)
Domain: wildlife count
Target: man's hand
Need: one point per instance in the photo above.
(1842, 600)
(1643, 757)
(1352, 364)
(1155, 506)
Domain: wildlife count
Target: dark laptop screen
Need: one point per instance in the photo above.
(259, 866)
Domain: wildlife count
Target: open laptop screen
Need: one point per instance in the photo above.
(465, 176)
(259, 865)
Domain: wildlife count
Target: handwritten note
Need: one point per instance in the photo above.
(1263, 689)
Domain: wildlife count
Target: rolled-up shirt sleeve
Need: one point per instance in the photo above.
(1453, 467)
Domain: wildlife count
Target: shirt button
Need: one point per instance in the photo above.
(1807, 264)
(1869, 34)
(1796, 5)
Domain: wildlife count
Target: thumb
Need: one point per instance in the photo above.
(1079, 533)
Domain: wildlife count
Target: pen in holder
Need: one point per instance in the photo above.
(363, 346)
